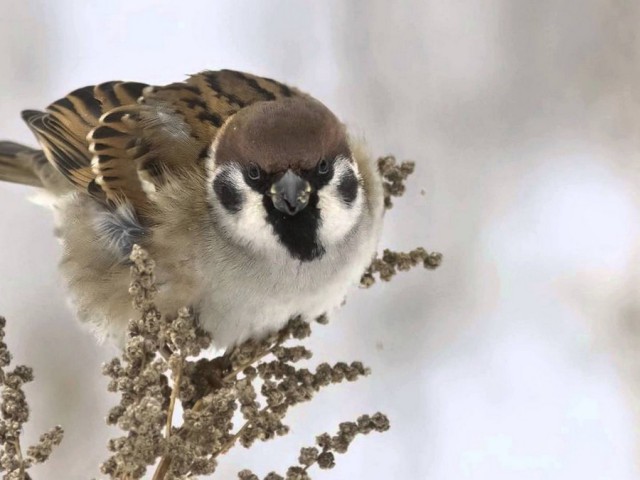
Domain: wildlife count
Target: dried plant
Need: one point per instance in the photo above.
(258, 381)
(393, 262)
(238, 398)
(15, 413)
(394, 177)
(324, 455)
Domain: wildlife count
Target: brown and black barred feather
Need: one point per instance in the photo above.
(62, 129)
(107, 138)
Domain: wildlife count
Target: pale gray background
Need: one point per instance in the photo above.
(517, 359)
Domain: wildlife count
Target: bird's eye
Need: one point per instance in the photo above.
(254, 172)
(323, 166)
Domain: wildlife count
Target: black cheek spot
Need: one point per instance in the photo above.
(227, 193)
(348, 187)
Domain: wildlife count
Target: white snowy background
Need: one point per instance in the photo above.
(519, 357)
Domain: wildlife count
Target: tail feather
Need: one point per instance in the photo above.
(20, 164)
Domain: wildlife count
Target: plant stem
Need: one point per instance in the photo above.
(16, 444)
(231, 442)
(163, 468)
(174, 394)
(165, 461)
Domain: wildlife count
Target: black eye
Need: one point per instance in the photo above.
(323, 166)
(254, 172)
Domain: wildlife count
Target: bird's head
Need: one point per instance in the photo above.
(282, 176)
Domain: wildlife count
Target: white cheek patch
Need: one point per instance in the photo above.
(338, 218)
(248, 225)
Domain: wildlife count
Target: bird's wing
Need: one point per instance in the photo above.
(109, 138)
(62, 129)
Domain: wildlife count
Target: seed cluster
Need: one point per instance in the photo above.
(253, 386)
(323, 455)
(393, 177)
(15, 413)
(156, 350)
(392, 262)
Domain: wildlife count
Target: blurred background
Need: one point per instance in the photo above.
(520, 356)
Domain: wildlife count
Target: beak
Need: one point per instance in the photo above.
(291, 193)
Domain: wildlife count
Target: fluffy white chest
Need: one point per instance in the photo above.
(259, 298)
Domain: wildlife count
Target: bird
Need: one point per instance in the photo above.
(254, 200)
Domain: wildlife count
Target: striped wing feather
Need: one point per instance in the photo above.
(62, 129)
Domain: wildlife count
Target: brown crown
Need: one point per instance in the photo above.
(277, 135)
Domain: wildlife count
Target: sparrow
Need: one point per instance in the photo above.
(250, 195)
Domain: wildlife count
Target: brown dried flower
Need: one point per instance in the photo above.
(393, 262)
(394, 176)
(15, 413)
(258, 379)
(325, 458)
